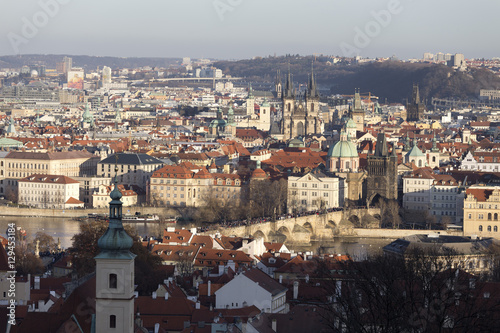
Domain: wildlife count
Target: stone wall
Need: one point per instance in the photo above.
(69, 213)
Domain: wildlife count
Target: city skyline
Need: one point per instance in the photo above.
(238, 29)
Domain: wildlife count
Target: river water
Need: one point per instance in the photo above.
(64, 229)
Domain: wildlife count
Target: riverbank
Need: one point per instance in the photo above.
(162, 212)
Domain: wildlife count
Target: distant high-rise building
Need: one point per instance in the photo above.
(428, 56)
(186, 61)
(415, 109)
(68, 64)
(457, 61)
(106, 75)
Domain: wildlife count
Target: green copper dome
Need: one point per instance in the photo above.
(343, 149)
(350, 124)
(115, 243)
(415, 152)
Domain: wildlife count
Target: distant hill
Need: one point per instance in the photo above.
(87, 62)
(391, 79)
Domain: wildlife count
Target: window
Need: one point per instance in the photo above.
(489, 228)
(480, 228)
(112, 321)
(489, 216)
(113, 280)
(495, 229)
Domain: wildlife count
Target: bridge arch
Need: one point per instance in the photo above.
(259, 234)
(374, 200)
(355, 220)
(308, 226)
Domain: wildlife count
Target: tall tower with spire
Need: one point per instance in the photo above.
(382, 180)
(288, 106)
(415, 109)
(115, 273)
(300, 117)
(357, 112)
(278, 87)
(313, 125)
(250, 102)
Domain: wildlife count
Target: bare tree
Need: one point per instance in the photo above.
(419, 292)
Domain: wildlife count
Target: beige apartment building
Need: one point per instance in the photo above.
(100, 198)
(70, 164)
(176, 185)
(17, 165)
(482, 211)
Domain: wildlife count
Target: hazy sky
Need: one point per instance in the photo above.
(233, 29)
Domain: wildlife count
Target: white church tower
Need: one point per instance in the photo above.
(115, 274)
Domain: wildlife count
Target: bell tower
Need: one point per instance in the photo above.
(115, 274)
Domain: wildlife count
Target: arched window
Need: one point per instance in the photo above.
(495, 229)
(489, 216)
(433, 158)
(112, 321)
(480, 228)
(489, 228)
(495, 216)
(113, 281)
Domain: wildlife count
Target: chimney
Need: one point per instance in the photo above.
(154, 294)
(198, 305)
(37, 282)
(274, 325)
(209, 288)
(281, 278)
(295, 289)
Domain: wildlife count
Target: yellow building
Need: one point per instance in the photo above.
(481, 211)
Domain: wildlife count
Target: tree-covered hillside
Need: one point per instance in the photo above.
(390, 79)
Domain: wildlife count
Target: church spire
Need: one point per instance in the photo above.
(312, 91)
(416, 94)
(115, 239)
(289, 93)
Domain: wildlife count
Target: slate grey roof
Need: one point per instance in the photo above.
(131, 159)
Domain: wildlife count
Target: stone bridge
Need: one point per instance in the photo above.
(308, 228)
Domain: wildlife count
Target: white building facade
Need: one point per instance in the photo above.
(315, 191)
